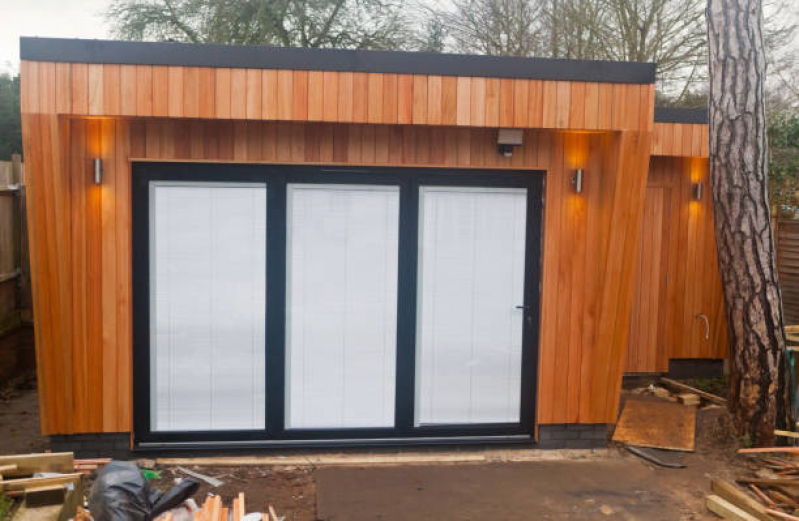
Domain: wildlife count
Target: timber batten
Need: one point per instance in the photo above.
(124, 112)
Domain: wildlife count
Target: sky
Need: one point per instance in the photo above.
(56, 18)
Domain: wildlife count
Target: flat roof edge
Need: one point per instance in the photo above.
(342, 60)
(681, 115)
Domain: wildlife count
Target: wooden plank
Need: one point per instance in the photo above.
(144, 90)
(207, 92)
(63, 88)
(404, 99)
(674, 384)
(316, 88)
(374, 98)
(47, 95)
(253, 94)
(95, 86)
(434, 100)
(191, 92)
(269, 94)
(12, 485)
(419, 100)
(449, 100)
(577, 105)
(506, 102)
(727, 510)
(299, 96)
(731, 493)
(27, 464)
(80, 88)
(390, 98)
(535, 103)
(175, 92)
(238, 93)
(222, 92)
(492, 95)
(160, 84)
(521, 99)
(477, 101)
(563, 104)
(360, 97)
(332, 100)
(127, 85)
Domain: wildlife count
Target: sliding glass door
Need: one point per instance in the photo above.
(277, 304)
(341, 305)
(470, 304)
(207, 310)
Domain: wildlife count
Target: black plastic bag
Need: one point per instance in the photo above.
(121, 493)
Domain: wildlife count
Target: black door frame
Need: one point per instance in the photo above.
(276, 178)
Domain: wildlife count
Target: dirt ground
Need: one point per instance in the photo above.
(576, 485)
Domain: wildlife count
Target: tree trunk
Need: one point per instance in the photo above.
(759, 399)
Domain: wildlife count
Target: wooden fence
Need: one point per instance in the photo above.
(15, 300)
(787, 237)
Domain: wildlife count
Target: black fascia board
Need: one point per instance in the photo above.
(343, 60)
(681, 115)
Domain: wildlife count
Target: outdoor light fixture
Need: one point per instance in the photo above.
(698, 191)
(98, 171)
(577, 181)
(507, 138)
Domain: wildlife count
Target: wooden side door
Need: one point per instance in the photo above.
(646, 347)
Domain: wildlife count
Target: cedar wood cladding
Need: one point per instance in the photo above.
(80, 232)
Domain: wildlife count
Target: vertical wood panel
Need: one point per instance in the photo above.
(47, 94)
(95, 90)
(254, 93)
(550, 103)
(144, 90)
(222, 91)
(449, 100)
(63, 88)
(477, 117)
(269, 94)
(434, 100)
(160, 91)
(128, 98)
(390, 99)
(339, 107)
(207, 92)
(330, 95)
(316, 87)
(238, 93)
(521, 99)
(300, 96)
(404, 99)
(191, 92)
(374, 98)
(506, 107)
(360, 94)
(175, 88)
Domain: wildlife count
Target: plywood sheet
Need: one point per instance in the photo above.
(659, 424)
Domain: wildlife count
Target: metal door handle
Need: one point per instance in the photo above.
(523, 307)
(707, 324)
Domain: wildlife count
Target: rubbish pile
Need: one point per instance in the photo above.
(770, 493)
(40, 486)
(50, 487)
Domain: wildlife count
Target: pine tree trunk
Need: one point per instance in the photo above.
(759, 399)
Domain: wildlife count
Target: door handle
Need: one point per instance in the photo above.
(707, 324)
(528, 318)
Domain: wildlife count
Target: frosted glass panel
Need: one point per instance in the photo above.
(208, 290)
(471, 278)
(341, 305)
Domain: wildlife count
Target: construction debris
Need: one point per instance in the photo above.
(216, 483)
(42, 486)
(656, 424)
(689, 399)
(770, 495)
(679, 386)
(214, 510)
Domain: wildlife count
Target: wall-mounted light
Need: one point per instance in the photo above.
(507, 138)
(98, 171)
(698, 191)
(577, 181)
